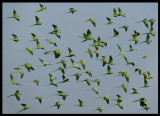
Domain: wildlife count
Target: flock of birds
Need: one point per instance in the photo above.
(96, 44)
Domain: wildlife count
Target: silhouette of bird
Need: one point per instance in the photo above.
(16, 39)
(19, 70)
(16, 94)
(25, 107)
(38, 22)
(42, 8)
(80, 103)
(13, 81)
(92, 20)
(15, 15)
(72, 10)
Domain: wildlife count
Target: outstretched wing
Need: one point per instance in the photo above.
(114, 11)
(70, 51)
(88, 33)
(41, 60)
(12, 79)
(110, 59)
(80, 102)
(37, 19)
(94, 23)
(109, 68)
(42, 7)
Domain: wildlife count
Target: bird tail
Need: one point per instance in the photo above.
(80, 36)
(135, 101)
(9, 17)
(37, 11)
(86, 20)
(138, 22)
(110, 37)
(10, 95)
(144, 33)
(32, 25)
(118, 87)
(67, 12)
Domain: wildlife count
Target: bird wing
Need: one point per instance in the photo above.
(31, 52)
(114, 11)
(24, 105)
(134, 90)
(42, 7)
(80, 102)
(14, 12)
(110, 59)
(37, 19)
(120, 11)
(119, 48)
(146, 24)
(63, 77)
(41, 60)
(64, 97)
(127, 77)
(91, 55)
(108, 19)
(18, 97)
(38, 43)
(55, 27)
(125, 89)
(130, 46)
(109, 68)
(88, 33)
(73, 62)
(70, 51)
(12, 79)
(94, 23)
(71, 8)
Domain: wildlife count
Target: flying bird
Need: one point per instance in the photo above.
(19, 70)
(39, 45)
(25, 107)
(63, 94)
(64, 79)
(52, 42)
(44, 63)
(146, 57)
(71, 54)
(62, 69)
(16, 94)
(125, 27)
(42, 8)
(89, 72)
(80, 103)
(38, 22)
(120, 105)
(87, 36)
(109, 71)
(100, 109)
(30, 50)
(39, 99)
(142, 101)
(13, 82)
(151, 32)
(34, 37)
(36, 81)
(15, 15)
(92, 21)
(71, 10)
(83, 63)
(115, 14)
(148, 41)
(121, 13)
(146, 107)
(149, 75)
(134, 91)
(97, 81)
(109, 21)
(28, 66)
(74, 64)
(57, 53)
(131, 48)
(124, 87)
(87, 81)
(64, 63)
(111, 60)
(106, 98)
(16, 39)
(116, 33)
(58, 104)
(138, 69)
(77, 75)
(95, 90)
(90, 52)
(152, 21)
(145, 21)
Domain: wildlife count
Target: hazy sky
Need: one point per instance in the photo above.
(72, 26)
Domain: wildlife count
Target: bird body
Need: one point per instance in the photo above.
(62, 69)
(39, 45)
(36, 81)
(74, 64)
(145, 21)
(63, 94)
(109, 71)
(124, 87)
(142, 101)
(146, 57)
(72, 10)
(52, 42)
(16, 94)
(57, 53)
(44, 63)
(77, 75)
(63, 63)
(121, 13)
(106, 98)
(100, 109)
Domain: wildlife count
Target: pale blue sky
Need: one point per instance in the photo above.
(73, 26)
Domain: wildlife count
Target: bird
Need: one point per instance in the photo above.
(146, 57)
(97, 81)
(63, 94)
(52, 82)
(122, 53)
(25, 107)
(145, 74)
(145, 84)
(97, 53)
(44, 63)
(90, 52)
(87, 81)
(149, 75)
(71, 10)
(51, 77)
(109, 21)
(16, 39)
(64, 79)
(124, 73)
(57, 53)
(124, 87)
(87, 36)
(101, 42)
(95, 44)
(131, 48)
(38, 22)
(71, 54)
(77, 75)
(64, 63)
(95, 90)
(109, 71)
(111, 60)
(15, 15)
(136, 34)
(89, 72)
(116, 33)
(39, 99)
(151, 32)
(58, 104)
(142, 101)
(100, 109)
(148, 41)
(92, 21)
(125, 27)
(152, 21)
(138, 69)
(39, 45)
(134, 91)
(121, 13)
(48, 52)
(115, 14)
(16, 94)
(74, 64)
(42, 8)
(62, 69)
(19, 70)
(36, 81)
(106, 98)
(28, 66)
(57, 33)
(13, 82)
(146, 107)
(83, 63)
(56, 29)
(135, 39)
(80, 103)
(34, 37)
(52, 42)
(119, 98)
(145, 21)
(30, 50)
(120, 105)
